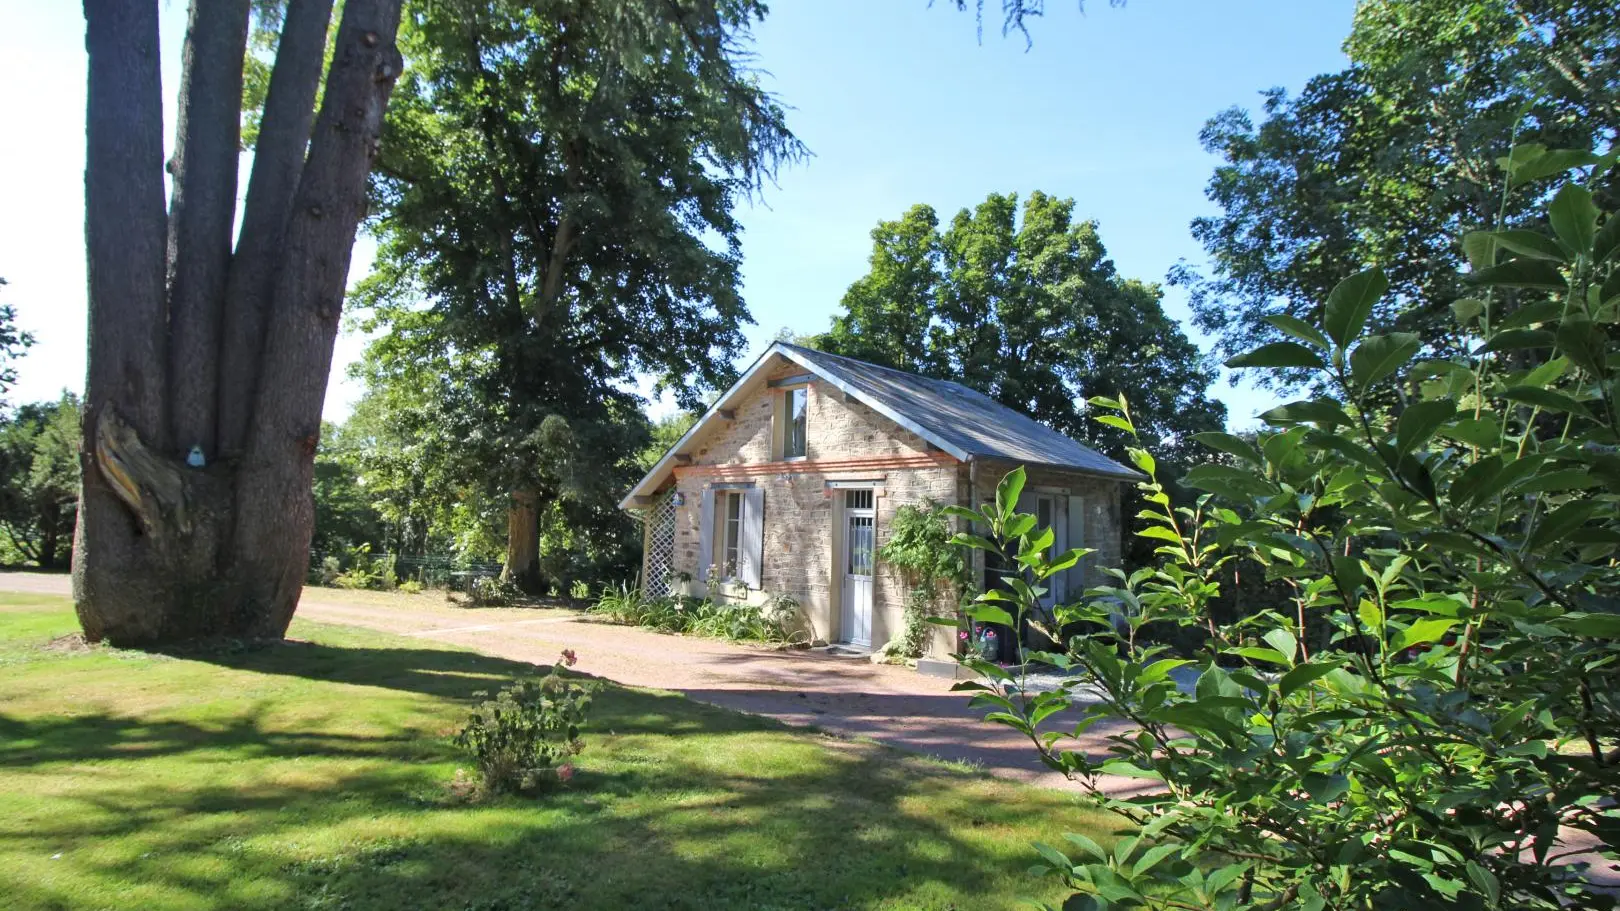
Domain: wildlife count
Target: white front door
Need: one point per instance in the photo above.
(860, 534)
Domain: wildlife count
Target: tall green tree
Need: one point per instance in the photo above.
(1394, 159)
(39, 479)
(1030, 311)
(211, 336)
(555, 205)
(14, 343)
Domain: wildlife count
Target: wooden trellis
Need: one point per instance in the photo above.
(658, 562)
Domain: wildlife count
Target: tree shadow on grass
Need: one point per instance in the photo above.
(678, 805)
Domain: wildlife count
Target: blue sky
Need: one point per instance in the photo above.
(899, 103)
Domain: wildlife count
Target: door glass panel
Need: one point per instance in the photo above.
(858, 498)
(1043, 513)
(860, 545)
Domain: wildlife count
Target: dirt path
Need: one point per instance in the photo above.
(847, 696)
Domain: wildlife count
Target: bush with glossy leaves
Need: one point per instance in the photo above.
(1434, 719)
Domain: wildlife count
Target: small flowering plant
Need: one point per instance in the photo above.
(524, 737)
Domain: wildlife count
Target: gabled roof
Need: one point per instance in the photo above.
(963, 422)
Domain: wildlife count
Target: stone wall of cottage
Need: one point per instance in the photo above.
(848, 441)
(845, 441)
(1103, 501)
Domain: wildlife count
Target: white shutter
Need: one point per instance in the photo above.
(1060, 545)
(1077, 538)
(751, 547)
(705, 536)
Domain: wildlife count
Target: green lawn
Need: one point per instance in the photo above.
(316, 776)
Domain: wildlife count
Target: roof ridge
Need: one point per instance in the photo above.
(875, 366)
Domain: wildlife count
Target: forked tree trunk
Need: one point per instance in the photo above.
(197, 353)
(522, 567)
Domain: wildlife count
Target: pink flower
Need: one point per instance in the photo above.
(565, 771)
(569, 658)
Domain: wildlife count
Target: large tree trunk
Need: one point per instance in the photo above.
(522, 566)
(168, 549)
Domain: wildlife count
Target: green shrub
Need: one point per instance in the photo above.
(493, 591)
(1434, 720)
(331, 567)
(522, 739)
(580, 590)
(921, 548)
(410, 587)
(773, 621)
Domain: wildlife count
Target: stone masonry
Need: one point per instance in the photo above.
(845, 442)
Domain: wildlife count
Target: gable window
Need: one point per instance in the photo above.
(795, 403)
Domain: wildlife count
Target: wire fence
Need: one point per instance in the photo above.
(431, 570)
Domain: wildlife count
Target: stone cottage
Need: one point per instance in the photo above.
(787, 486)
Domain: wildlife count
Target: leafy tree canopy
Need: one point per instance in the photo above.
(39, 479)
(1029, 311)
(1392, 160)
(555, 196)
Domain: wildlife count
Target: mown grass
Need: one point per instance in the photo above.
(317, 776)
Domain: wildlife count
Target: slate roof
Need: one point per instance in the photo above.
(963, 422)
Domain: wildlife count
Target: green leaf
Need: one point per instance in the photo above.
(975, 542)
(1152, 858)
(1429, 630)
(1545, 398)
(1547, 163)
(1481, 432)
(1161, 669)
(1283, 641)
(1143, 460)
(1607, 240)
(1324, 788)
(1419, 422)
(1303, 675)
(1161, 533)
(1573, 217)
(1298, 329)
(1231, 445)
(1596, 626)
(1530, 314)
(1531, 244)
(1467, 309)
(1278, 354)
(1019, 525)
(1381, 355)
(1325, 412)
(1227, 481)
(1053, 856)
(1350, 303)
(1008, 492)
(1557, 525)
(1254, 653)
(1114, 420)
(1586, 345)
(1087, 845)
(1521, 273)
(1514, 339)
(1484, 880)
(989, 613)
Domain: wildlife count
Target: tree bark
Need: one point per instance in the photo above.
(201, 215)
(523, 541)
(165, 550)
(124, 243)
(274, 507)
(278, 162)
